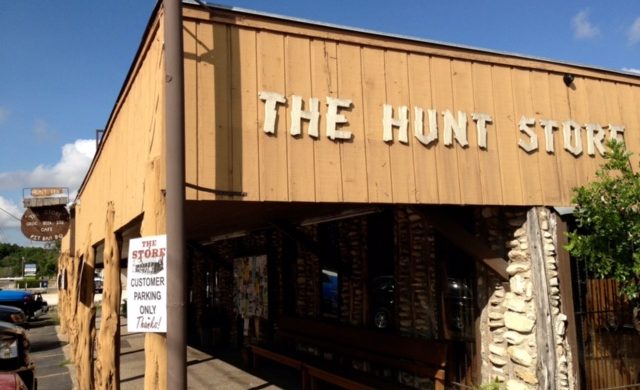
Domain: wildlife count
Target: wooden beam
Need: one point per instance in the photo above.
(545, 330)
(466, 241)
(566, 295)
(300, 237)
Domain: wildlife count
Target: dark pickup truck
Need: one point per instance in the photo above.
(32, 304)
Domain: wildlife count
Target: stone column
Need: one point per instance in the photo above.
(523, 329)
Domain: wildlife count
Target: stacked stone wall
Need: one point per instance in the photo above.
(513, 324)
(307, 276)
(353, 258)
(416, 275)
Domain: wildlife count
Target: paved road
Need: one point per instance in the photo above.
(52, 367)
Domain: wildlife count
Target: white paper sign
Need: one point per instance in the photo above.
(147, 285)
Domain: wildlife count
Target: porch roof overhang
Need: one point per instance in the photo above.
(207, 221)
(210, 221)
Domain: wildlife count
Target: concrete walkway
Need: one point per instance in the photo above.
(204, 370)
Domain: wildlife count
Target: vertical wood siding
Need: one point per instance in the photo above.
(228, 64)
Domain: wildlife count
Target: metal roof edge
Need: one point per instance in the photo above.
(403, 37)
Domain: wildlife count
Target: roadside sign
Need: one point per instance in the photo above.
(45, 196)
(46, 191)
(147, 285)
(45, 223)
(30, 270)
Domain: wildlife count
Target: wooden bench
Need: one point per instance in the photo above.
(384, 350)
(280, 357)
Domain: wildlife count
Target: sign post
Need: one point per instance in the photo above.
(147, 285)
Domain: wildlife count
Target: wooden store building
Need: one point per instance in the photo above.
(361, 209)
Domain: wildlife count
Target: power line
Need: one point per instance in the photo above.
(9, 214)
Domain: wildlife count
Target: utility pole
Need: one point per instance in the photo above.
(175, 198)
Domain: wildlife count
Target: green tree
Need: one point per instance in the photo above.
(607, 215)
(13, 257)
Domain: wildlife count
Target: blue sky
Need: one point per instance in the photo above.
(62, 63)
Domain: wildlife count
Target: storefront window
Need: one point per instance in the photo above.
(458, 278)
(382, 285)
(330, 294)
(459, 301)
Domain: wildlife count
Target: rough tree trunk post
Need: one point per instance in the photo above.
(87, 320)
(63, 301)
(108, 362)
(154, 222)
(72, 304)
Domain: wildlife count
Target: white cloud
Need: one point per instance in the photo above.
(634, 32)
(10, 211)
(631, 70)
(68, 172)
(4, 114)
(582, 27)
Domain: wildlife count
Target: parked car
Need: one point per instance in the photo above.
(14, 354)
(383, 288)
(41, 306)
(13, 315)
(32, 304)
(11, 381)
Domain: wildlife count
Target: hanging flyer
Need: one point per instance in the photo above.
(147, 285)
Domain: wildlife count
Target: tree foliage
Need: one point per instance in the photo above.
(607, 215)
(13, 257)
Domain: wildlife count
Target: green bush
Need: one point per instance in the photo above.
(607, 215)
(29, 283)
(493, 385)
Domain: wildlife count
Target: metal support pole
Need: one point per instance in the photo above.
(176, 259)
